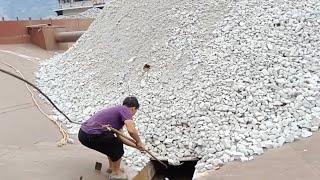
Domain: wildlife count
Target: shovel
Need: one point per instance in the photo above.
(130, 139)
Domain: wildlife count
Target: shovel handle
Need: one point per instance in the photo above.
(132, 140)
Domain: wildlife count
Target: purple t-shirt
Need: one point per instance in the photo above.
(114, 116)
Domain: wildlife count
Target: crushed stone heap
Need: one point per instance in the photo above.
(227, 79)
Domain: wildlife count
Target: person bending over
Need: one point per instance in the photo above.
(94, 135)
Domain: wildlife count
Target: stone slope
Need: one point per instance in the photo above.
(226, 79)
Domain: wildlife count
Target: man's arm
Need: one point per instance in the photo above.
(126, 141)
(133, 131)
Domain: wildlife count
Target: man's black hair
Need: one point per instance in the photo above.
(131, 101)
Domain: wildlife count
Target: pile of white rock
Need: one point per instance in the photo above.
(91, 13)
(219, 80)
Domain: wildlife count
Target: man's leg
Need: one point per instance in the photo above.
(116, 167)
(109, 170)
(115, 154)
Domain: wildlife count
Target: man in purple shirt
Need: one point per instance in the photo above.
(94, 136)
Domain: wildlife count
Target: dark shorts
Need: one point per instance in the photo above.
(105, 143)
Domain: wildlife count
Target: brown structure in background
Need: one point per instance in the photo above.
(48, 34)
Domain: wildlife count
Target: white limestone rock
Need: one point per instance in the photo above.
(314, 128)
(244, 159)
(306, 133)
(217, 162)
(235, 155)
(200, 165)
(208, 166)
(257, 150)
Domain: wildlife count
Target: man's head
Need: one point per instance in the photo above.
(132, 103)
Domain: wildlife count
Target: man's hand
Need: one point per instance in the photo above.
(140, 146)
(105, 127)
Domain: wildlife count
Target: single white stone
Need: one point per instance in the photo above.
(168, 141)
(212, 150)
(143, 83)
(208, 166)
(314, 128)
(281, 81)
(244, 159)
(157, 142)
(257, 150)
(200, 165)
(306, 133)
(217, 162)
(269, 46)
(315, 110)
(174, 162)
(234, 154)
(131, 59)
(300, 98)
(267, 144)
(225, 158)
(200, 142)
(70, 141)
(289, 138)
(281, 140)
(226, 143)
